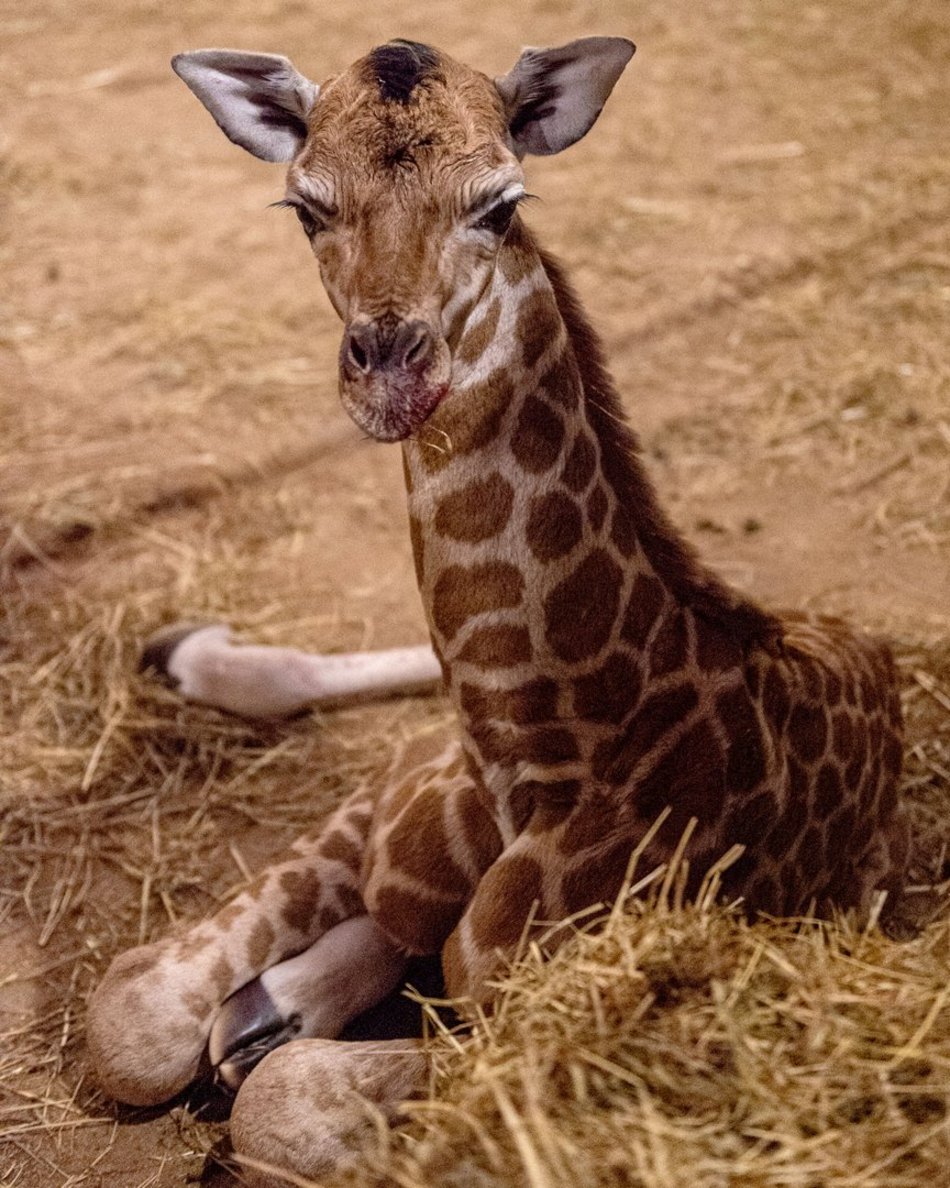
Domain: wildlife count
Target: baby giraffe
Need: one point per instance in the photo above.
(611, 692)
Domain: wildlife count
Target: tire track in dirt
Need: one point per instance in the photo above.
(25, 549)
(741, 285)
(910, 234)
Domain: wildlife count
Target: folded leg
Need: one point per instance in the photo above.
(548, 874)
(149, 1020)
(312, 943)
(308, 1107)
(348, 970)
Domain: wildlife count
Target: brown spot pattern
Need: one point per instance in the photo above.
(776, 700)
(301, 890)
(538, 437)
(561, 383)
(259, 943)
(646, 602)
(610, 693)
(716, 649)
(597, 508)
(745, 764)
(828, 790)
(479, 829)
(464, 591)
(554, 527)
(416, 922)
(623, 531)
(497, 647)
(477, 511)
(689, 778)
(340, 848)
(670, 645)
(418, 846)
(579, 467)
(504, 899)
(580, 610)
(599, 878)
(751, 820)
(528, 704)
(516, 260)
(469, 420)
(222, 975)
(552, 745)
(809, 732)
(811, 856)
(660, 711)
(538, 326)
(476, 340)
(787, 829)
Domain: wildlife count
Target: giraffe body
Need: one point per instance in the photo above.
(603, 678)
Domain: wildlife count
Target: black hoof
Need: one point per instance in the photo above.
(248, 1026)
(160, 647)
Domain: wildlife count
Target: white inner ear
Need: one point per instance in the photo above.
(260, 101)
(553, 96)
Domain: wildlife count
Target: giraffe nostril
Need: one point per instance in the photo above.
(414, 352)
(388, 344)
(357, 355)
(420, 349)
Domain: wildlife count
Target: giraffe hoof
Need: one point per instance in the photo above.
(248, 1026)
(161, 646)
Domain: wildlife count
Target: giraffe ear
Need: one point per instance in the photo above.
(553, 96)
(258, 100)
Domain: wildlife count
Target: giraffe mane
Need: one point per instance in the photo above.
(674, 560)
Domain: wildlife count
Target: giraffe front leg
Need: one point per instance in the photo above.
(430, 840)
(256, 681)
(540, 879)
(347, 971)
(306, 1107)
(149, 1020)
(488, 934)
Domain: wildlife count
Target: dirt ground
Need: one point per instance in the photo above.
(759, 226)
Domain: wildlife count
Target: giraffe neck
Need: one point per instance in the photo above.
(545, 564)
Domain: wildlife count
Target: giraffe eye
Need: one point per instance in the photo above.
(498, 218)
(309, 222)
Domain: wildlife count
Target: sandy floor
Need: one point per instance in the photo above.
(759, 226)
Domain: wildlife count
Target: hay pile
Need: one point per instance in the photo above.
(682, 1047)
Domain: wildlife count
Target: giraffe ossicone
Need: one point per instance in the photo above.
(603, 678)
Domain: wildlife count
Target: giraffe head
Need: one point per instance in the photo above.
(405, 173)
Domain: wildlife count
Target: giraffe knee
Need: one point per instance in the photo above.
(144, 1041)
(467, 971)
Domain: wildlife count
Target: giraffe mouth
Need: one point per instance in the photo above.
(391, 407)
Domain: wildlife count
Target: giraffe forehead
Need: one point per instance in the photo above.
(428, 125)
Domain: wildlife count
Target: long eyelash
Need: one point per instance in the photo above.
(311, 223)
(497, 218)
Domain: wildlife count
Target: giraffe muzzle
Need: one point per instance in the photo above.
(393, 374)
